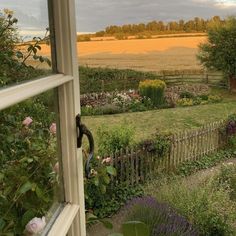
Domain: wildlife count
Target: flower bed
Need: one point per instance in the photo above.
(132, 101)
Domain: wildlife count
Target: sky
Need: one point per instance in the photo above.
(95, 15)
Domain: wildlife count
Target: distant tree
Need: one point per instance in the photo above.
(220, 51)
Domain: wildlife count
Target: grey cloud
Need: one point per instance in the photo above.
(94, 15)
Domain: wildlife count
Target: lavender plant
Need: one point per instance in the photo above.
(159, 217)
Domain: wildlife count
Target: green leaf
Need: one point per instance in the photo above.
(27, 217)
(2, 224)
(25, 187)
(135, 228)
(107, 224)
(40, 194)
(96, 181)
(111, 170)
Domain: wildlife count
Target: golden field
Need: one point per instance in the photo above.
(177, 53)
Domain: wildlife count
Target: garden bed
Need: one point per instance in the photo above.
(134, 100)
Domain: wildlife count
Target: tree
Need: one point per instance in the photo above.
(219, 52)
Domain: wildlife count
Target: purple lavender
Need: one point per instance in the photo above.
(161, 219)
(231, 128)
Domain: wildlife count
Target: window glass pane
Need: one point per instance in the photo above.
(25, 51)
(30, 183)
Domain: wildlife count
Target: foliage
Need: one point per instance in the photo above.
(153, 89)
(106, 79)
(190, 167)
(114, 102)
(159, 144)
(160, 218)
(209, 208)
(142, 30)
(219, 51)
(227, 178)
(185, 102)
(133, 228)
(186, 94)
(108, 203)
(28, 154)
(13, 66)
(115, 139)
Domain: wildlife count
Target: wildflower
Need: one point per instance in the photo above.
(36, 225)
(27, 121)
(53, 128)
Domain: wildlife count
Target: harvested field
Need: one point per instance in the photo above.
(142, 54)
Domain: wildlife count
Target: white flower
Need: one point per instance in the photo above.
(36, 225)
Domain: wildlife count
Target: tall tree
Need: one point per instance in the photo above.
(220, 51)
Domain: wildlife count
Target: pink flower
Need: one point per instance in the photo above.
(56, 168)
(27, 121)
(106, 160)
(53, 128)
(36, 225)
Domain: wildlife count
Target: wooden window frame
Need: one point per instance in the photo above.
(71, 219)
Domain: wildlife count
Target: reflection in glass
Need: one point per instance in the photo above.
(30, 184)
(25, 51)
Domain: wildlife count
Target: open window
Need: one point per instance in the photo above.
(66, 215)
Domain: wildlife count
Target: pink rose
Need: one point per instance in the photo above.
(53, 128)
(35, 226)
(27, 121)
(106, 160)
(56, 168)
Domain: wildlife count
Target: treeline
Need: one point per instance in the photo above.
(196, 25)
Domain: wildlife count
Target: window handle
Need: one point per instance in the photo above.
(83, 130)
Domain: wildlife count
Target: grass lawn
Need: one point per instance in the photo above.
(175, 119)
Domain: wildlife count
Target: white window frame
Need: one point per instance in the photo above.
(71, 220)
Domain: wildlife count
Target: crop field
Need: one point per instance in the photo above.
(177, 53)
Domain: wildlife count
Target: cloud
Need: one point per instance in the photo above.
(94, 15)
(224, 4)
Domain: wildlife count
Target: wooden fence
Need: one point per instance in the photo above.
(136, 166)
(212, 79)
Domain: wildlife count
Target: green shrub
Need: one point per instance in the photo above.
(208, 208)
(214, 98)
(27, 157)
(113, 139)
(108, 79)
(159, 144)
(153, 89)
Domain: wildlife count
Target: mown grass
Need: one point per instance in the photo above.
(166, 120)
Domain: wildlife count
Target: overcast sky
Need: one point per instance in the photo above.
(95, 15)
